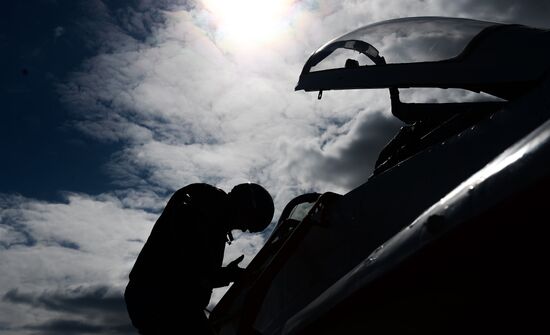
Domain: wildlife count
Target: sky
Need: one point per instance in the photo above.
(107, 107)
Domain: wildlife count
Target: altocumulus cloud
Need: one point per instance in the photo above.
(101, 304)
(67, 262)
(188, 107)
(190, 111)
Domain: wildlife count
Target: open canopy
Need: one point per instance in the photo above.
(419, 39)
(431, 52)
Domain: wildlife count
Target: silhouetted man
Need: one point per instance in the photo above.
(172, 280)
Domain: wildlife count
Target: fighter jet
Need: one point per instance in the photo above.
(448, 235)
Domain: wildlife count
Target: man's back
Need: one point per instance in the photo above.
(173, 273)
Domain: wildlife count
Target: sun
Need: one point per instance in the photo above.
(249, 23)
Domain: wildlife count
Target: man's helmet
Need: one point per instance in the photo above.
(252, 205)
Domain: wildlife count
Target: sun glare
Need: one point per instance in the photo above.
(249, 23)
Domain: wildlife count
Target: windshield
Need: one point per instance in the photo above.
(300, 211)
(409, 40)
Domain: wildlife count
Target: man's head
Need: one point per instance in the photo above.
(252, 207)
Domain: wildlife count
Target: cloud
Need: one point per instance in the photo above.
(68, 327)
(346, 161)
(529, 12)
(68, 258)
(76, 300)
(189, 111)
(80, 310)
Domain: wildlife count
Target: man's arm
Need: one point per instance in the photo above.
(231, 273)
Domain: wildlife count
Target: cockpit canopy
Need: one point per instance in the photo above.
(410, 40)
(499, 59)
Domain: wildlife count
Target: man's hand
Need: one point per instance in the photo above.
(234, 272)
(235, 263)
(231, 273)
